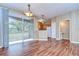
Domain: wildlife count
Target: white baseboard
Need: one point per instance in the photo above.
(66, 38)
(15, 42)
(43, 39)
(63, 38)
(0, 46)
(58, 39)
(74, 42)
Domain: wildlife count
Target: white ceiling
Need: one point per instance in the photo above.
(48, 9)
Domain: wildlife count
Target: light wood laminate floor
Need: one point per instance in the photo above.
(42, 48)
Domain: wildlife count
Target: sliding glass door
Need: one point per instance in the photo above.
(19, 30)
(28, 29)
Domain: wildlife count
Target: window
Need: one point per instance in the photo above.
(20, 29)
(15, 29)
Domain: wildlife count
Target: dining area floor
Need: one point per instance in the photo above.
(51, 47)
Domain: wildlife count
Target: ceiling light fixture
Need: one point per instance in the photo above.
(42, 19)
(29, 13)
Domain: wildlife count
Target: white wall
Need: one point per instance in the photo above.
(73, 17)
(36, 33)
(17, 14)
(49, 30)
(53, 30)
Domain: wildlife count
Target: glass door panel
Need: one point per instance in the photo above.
(15, 30)
(28, 30)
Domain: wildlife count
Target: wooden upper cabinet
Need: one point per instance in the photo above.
(43, 25)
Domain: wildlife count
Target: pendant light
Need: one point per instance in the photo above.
(42, 19)
(29, 13)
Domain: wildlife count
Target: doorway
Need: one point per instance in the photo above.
(65, 29)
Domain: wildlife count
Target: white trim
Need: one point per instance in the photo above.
(15, 42)
(58, 39)
(20, 41)
(66, 38)
(43, 39)
(74, 42)
(0, 46)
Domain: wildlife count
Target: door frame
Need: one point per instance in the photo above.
(69, 30)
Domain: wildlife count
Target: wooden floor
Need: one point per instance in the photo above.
(42, 48)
